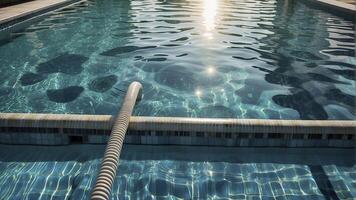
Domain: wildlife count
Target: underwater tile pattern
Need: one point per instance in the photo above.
(54, 174)
(200, 58)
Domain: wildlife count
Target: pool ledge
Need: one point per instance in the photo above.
(67, 128)
(338, 6)
(12, 14)
(104, 122)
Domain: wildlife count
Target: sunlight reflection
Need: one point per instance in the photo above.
(198, 92)
(210, 70)
(209, 14)
(210, 173)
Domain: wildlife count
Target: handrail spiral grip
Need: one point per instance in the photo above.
(105, 178)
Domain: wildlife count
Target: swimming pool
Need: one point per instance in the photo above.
(179, 172)
(199, 58)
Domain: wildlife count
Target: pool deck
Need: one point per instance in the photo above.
(348, 1)
(338, 5)
(21, 10)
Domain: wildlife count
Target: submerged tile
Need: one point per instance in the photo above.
(66, 63)
(124, 49)
(5, 91)
(65, 95)
(103, 84)
(302, 102)
(31, 78)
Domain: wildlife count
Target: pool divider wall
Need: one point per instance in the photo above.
(62, 129)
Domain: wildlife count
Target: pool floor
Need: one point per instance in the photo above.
(250, 59)
(176, 172)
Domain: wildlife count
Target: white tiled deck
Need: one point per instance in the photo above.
(16, 11)
(340, 4)
(349, 2)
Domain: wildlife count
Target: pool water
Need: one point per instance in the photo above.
(263, 59)
(173, 172)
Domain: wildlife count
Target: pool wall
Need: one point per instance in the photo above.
(62, 129)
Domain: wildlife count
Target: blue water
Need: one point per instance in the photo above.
(200, 58)
(173, 172)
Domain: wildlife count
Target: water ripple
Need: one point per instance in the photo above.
(235, 58)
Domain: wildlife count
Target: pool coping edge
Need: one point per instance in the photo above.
(104, 122)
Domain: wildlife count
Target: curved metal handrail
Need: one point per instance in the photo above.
(110, 161)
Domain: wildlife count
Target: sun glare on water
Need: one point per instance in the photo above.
(209, 15)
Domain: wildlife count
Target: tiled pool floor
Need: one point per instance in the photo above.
(172, 172)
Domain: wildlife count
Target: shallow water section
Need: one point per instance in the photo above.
(179, 172)
(202, 58)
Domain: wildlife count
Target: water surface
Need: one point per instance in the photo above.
(179, 172)
(200, 58)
